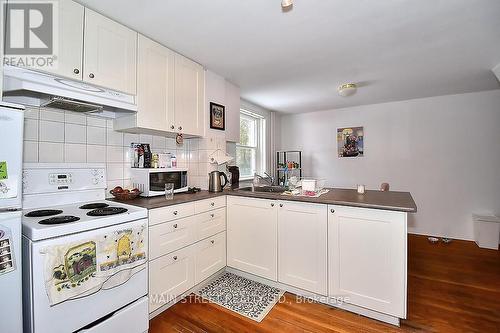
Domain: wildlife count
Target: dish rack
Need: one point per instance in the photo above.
(307, 185)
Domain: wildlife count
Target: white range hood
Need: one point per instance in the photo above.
(30, 87)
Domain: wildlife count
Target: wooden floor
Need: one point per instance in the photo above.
(451, 288)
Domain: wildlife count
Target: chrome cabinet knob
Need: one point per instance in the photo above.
(175, 258)
(91, 75)
(332, 210)
(212, 215)
(175, 226)
(212, 204)
(180, 128)
(212, 241)
(172, 127)
(175, 212)
(272, 205)
(281, 205)
(76, 71)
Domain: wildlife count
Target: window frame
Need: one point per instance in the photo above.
(259, 148)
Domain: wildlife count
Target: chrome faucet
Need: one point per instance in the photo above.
(269, 179)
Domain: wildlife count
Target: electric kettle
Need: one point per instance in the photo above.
(215, 182)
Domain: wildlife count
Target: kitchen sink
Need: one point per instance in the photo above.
(268, 189)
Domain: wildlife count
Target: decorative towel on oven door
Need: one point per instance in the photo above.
(78, 269)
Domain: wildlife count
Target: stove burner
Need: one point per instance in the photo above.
(94, 205)
(43, 212)
(59, 219)
(107, 211)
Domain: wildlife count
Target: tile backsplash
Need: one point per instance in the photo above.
(58, 136)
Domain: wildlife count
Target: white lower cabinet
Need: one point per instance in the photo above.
(210, 256)
(302, 246)
(252, 231)
(170, 236)
(367, 258)
(184, 248)
(210, 223)
(170, 276)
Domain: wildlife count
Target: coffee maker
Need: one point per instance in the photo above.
(235, 175)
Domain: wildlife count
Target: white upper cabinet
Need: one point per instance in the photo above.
(252, 243)
(155, 85)
(189, 98)
(70, 31)
(69, 51)
(110, 53)
(302, 246)
(232, 112)
(367, 258)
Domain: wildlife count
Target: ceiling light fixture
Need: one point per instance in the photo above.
(347, 89)
(286, 3)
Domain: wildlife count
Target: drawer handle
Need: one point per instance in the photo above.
(212, 215)
(175, 212)
(91, 75)
(175, 258)
(281, 205)
(332, 210)
(76, 71)
(272, 205)
(212, 204)
(212, 241)
(175, 226)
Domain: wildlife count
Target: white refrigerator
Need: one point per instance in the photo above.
(11, 158)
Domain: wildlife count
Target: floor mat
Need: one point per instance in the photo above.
(248, 298)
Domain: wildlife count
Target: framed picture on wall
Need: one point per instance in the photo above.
(217, 116)
(350, 142)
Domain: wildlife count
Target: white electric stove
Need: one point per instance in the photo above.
(70, 232)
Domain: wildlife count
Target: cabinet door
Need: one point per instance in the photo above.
(189, 96)
(170, 236)
(232, 112)
(252, 226)
(70, 53)
(367, 258)
(170, 276)
(110, 53)
(210, 256)
(155, 86)
(302, 246)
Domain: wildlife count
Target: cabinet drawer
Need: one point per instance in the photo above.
(210, 223)
(209, 204)
(170, 276)
(170, 213)
(170, 236)
(210, 256)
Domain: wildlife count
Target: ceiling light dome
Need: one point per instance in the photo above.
(286, 3)
(347, 89)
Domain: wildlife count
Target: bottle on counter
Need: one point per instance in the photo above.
(155, 161)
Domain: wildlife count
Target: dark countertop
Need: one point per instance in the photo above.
(396, 201)
(179, 198)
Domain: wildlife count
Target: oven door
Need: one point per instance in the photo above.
(122, 288)
(157, 181)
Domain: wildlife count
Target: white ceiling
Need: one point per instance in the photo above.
(294, 61)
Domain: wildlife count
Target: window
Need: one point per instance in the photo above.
(250, 151)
